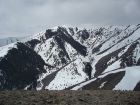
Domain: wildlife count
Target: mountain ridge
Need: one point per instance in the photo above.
(9, 40)
(71, 56)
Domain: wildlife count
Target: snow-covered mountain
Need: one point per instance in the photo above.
(9, 40)
(73, 58)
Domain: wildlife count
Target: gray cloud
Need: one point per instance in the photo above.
(27, 17)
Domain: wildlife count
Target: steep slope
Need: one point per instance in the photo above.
(120, 79)
(73, 58)
(124, 51)
(20, 67)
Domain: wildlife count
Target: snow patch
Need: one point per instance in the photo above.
(115, 65)
(4, 50)
(102, 85)
(83, 84)
(68, 76)
(131, 78)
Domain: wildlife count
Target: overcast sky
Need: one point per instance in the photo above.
(26, 17)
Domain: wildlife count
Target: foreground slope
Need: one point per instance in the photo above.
(66, 57)
(86, 97)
